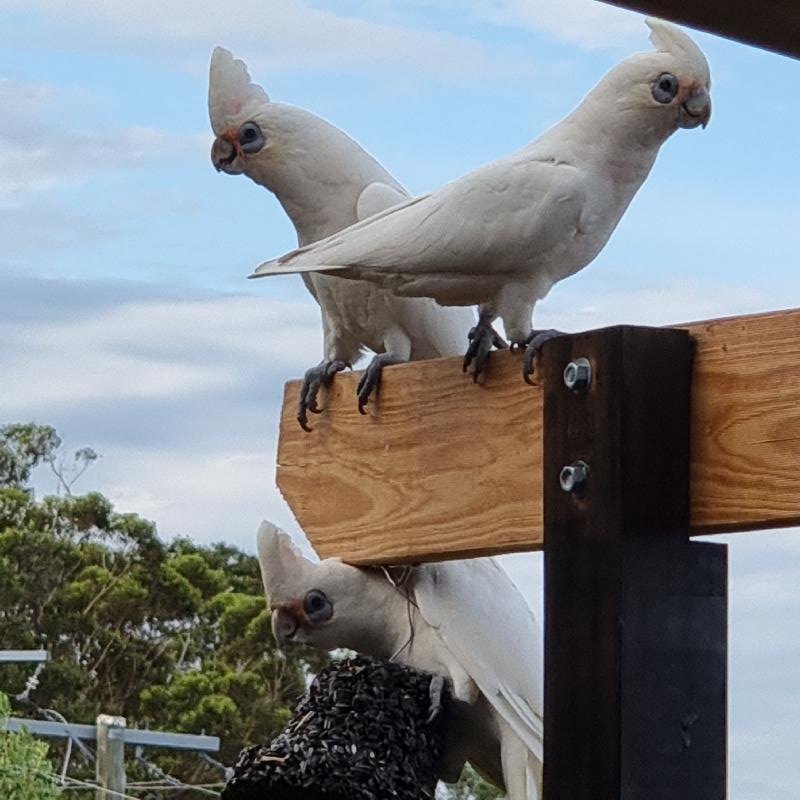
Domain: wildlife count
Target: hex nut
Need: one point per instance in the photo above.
(578, 375)
(574, 477)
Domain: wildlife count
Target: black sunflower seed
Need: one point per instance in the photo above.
(360, 733)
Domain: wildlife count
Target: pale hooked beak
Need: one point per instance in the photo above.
(286, 621)
(225, 154)
(695, 108)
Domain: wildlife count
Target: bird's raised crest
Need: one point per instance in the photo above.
(669, 38)
(276, 543)
(232, 96)
(280, 559)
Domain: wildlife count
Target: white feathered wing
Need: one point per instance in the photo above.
(483, 620)
(460, 243)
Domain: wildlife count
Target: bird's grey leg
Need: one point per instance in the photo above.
(435, 690)
(397, 348)
(314, 379)
(482, 338)
(533, 344)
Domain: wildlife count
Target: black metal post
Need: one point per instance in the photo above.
(635, 613)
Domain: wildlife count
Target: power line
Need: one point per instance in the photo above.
(172, 782)
(78, 784)
(112, 735)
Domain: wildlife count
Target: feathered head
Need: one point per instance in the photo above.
(233, 102)
(652, 94)
(327, 604)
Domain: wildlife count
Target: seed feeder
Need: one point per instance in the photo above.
(365, 730)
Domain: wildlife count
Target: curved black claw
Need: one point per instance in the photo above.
(435, 691)
(371, 379)
(313, 380)
(481, 340)
(534, 343)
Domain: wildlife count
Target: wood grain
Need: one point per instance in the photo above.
(745, 435)
(444, 468)
(439, 464)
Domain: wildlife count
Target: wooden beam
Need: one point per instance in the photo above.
(442, 468)
(770, 24)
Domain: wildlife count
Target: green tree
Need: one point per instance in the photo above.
(173, 636)
(24, 766)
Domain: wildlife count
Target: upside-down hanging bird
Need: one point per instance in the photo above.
(463, 620)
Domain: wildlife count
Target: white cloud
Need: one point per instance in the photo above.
(37, 223)
(774, 587)
(180, 397)
(153, 350)
(220, 495)
(587, 23)
(287, 33)
(31, 163)
(596, 300)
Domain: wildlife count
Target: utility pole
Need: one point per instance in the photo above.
(110, 757)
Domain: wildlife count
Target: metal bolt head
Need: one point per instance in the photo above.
(578, 375)
(573, 477)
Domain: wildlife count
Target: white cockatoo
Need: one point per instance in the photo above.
(501, 236)
(463, 620)
(325, 181)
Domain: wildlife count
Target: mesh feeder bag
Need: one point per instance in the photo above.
(364, 731)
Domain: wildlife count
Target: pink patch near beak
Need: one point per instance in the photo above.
(695, 104)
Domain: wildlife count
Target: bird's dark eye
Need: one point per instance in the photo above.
(665, 87)
(250, 137)
(317, 606)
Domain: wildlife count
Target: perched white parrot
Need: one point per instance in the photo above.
(464, 620)
(501, 236)
(325, 181)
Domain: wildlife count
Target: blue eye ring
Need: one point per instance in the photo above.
(665, 87)
(317, 606)
(251, 140)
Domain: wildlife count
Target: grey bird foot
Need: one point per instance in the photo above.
(533, 344)
(371, 379)
(314, 379)
(435, 691)
(481, 340)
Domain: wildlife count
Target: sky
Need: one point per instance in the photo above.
(126, 320)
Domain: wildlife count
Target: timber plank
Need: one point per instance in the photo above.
(745, 435)
(435, 453)
(442, 468)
